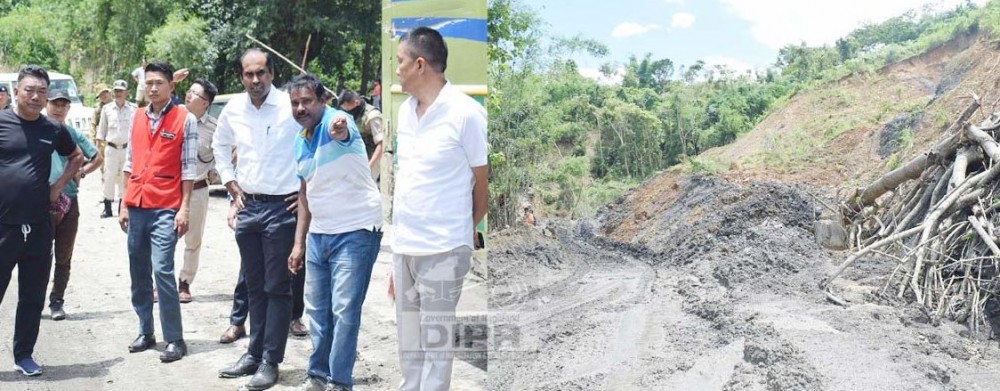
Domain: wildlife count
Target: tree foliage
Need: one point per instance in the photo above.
(23, 39)
(102, 40)
(558, 138)
(182, 40)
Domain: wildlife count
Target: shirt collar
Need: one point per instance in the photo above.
(270, 100)
(443, 96)
(150, 114)
(203, 119)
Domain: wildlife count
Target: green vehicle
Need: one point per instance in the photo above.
(463, 25)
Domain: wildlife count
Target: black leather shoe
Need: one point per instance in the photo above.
(142, 343)
(266, 377)
(246, 366)
(174, 351)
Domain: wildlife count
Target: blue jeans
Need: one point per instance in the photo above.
(338, 270)
(151, 243)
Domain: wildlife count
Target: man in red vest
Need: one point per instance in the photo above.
(159, 171)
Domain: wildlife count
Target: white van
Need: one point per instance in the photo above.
(79, 115)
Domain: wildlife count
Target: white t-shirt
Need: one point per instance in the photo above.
(432, 210)
(140, 75)
(341, 192)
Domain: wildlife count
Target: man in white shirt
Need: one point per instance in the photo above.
(112, 138)
(440, 195)
(264, 188)
(139, 77)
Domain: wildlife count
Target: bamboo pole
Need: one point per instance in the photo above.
(284, 58)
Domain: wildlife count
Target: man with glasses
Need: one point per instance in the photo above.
(198, 99)
(27, 140)
(112, 138)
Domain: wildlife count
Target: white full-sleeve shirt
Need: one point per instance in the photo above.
(264, 142)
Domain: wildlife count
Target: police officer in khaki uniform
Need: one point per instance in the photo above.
(112, 138)
(369, 122)
(103, 98)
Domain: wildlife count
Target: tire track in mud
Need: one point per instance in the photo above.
(619, 323)
(635, 317)
(571, 318)
(716, 293)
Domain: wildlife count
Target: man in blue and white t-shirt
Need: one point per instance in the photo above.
(340, 208)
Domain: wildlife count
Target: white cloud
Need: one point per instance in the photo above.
(629, 29)
(735, 66)
(597, 75)
(682, 20)
(777, 23)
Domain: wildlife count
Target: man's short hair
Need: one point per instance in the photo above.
(33, 70)
(210, 90)
(162, 68)
(348, 96)
(269, 61)
(306, 80)
(427, 43)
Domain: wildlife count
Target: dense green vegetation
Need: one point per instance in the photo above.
(102, 40)
(569, 144)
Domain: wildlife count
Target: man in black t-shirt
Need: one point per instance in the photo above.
(27, 140)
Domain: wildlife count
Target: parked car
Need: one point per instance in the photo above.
(219, 102)
(79, 115)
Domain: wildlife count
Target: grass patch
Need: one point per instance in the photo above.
(788, 151)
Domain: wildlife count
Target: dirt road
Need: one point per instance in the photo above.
(87, 351)
(718, 292)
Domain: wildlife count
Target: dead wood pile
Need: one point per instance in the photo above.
(937, 216)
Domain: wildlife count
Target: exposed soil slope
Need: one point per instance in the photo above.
(699, 283)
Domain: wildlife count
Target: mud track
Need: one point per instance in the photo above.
(716, 293)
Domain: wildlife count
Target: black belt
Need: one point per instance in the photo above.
(268, 197)
(115, 146)
(200, 184)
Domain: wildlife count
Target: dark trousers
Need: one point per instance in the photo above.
(65, 239)
(265, 233)
(33, 258)
(241, 300)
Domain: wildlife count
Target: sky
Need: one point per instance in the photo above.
(741, 34)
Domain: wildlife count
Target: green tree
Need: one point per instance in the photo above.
(512, 33)
(24, 40)
(182, 42)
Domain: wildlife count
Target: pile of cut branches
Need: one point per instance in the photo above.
(938, 216)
